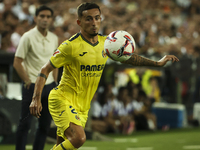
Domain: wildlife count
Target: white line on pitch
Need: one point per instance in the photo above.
(88, 148)
(123, 140)
(140, 148)
(191, 147)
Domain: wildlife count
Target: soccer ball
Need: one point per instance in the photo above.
(119, 45)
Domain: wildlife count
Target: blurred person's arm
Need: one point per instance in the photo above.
(21, 71)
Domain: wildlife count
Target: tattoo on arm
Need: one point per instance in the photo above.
(137, 60)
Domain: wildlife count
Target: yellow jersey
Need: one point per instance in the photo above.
(83, 64)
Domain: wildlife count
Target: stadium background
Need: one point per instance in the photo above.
(159, 27)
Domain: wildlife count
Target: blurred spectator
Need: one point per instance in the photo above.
(151, 118)
(144, 119)
(154, 25)
(6, 6)
(16, 35)
(196, 93)
(112, 115)
(148, 81)
(154, 94)
(6, 44)
(137, 105)
(10, 20)
(3, 85)
(140, 119)
(125, 111)
(97, 122)
(35, 47)
(158, 27)
(25, 14)
(102, 114)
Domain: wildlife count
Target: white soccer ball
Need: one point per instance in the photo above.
(119, 45)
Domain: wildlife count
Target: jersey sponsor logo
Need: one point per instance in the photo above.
(92, 67)
(61, 112)
(82, 54)
(91, 74)
(56, 52)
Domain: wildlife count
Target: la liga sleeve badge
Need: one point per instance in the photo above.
(56, 52)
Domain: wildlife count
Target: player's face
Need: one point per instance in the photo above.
(43, 20)
(90, 21)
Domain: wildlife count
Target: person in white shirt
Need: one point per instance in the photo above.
(35, 48)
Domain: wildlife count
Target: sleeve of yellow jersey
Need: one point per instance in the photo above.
(62, 56)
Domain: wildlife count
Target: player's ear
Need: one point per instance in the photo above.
(78, 22)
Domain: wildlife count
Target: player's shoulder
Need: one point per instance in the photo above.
(73, 41)
(102, 37)
(65, 47)
(75, 37)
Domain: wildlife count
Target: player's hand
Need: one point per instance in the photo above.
(35, 107)
(167, 58)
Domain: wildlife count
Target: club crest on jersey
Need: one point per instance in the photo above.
(56, 52)
(104, 54)
(78, 118)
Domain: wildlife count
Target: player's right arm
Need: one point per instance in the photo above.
(36, 106)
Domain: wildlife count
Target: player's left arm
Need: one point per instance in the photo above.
(137, 60)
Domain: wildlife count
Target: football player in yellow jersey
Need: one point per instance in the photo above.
(83, 60)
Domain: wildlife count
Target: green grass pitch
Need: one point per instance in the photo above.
(173, 139)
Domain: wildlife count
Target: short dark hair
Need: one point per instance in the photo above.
(86, 6)
(41, 8)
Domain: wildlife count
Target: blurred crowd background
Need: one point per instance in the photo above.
(159, 27)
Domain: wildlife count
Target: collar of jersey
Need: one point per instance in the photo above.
(89, 41)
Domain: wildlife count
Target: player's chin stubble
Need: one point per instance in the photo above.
(93, 34)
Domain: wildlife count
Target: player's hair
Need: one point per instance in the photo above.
(86, 6)
(41, 8)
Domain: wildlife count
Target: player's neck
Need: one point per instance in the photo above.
(42, 31)
(91, 39)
